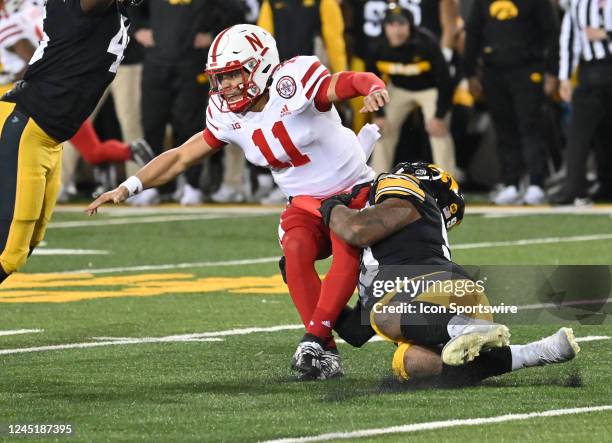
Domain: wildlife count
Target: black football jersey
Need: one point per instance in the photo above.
(420, 248)
(74, 63)
(420, 241)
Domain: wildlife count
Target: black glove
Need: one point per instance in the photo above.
(330, 203)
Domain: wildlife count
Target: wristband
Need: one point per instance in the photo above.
(133, 185)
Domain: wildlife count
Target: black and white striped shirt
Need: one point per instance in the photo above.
(574, 44)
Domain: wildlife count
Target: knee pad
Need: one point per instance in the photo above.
(398, 366)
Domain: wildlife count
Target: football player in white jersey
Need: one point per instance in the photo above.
(282, 116)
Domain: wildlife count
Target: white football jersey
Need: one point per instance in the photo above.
(27, 23)
(308, 151)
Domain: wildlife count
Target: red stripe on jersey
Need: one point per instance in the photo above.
(211, 140)
(8, 28)
(217, 41)
(17, 32)
(209, 123)
(312, 88)
(310, 72)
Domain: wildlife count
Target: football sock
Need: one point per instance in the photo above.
(524, 356)
(304, 284)
(489, 363)
(94, 151)
(352, 328)
(426, 328)
(336, 289)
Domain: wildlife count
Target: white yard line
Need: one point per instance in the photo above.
(261, 260)
(143, 220)
(432, 425)
(202, 336)
(592, 338)
(566, 304)
(250, 261)
(58, 251)
(116, 341)
(96, 344)
(120, 211)
(20, 332)
(532, 241)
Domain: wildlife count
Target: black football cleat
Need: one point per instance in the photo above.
(307, 359)
(331, 364)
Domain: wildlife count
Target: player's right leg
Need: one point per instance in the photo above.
(27, 155)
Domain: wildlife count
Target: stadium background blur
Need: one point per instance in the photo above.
(160, 66)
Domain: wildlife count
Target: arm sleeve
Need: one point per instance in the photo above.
(139, 17)
(266, 19)
(332, 31)
(473, 40)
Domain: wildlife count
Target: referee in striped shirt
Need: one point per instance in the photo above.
(586, 45)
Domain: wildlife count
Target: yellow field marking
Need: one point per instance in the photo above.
(28, 288)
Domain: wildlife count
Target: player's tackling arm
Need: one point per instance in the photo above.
(347, 85)
(369, 226)
(158, 171)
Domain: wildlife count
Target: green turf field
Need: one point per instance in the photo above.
(146, 336)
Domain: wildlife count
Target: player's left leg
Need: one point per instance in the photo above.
(34, 155)
(336, 290)
(414, 362)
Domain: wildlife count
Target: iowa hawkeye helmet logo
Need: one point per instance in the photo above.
(503, 10)
(286, 87)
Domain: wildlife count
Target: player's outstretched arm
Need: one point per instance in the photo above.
(346, 85)
(369, 226)
(158, 171)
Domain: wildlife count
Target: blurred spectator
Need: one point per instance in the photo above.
(419, 76)
(586, 45)
(518, 44)
(235, 168)
(295, 24)
(366, 27)
(177, 36)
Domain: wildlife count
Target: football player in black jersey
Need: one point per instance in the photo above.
(82, 46)
(404, 235)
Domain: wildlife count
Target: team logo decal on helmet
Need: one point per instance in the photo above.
(240, 65)
(286, 87)
(441, 185)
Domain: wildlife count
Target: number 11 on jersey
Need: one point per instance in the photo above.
(296, 158)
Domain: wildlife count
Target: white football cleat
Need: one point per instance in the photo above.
(557, 348)
(508, 196)
(191, 196)
(466, 346)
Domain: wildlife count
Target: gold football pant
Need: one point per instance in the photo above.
(473, 298)
(30, 172)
